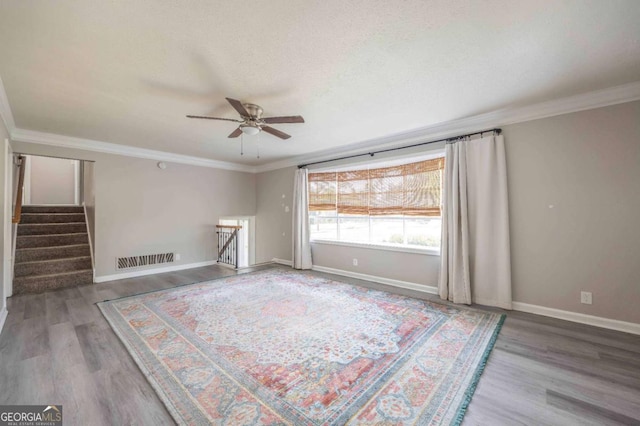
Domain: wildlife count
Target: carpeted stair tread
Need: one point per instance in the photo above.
(52, 249)
(30, 241)
(55, 260)
(55, 275)
(47, 276)
(52, 266)
(40, 283)
(51, 228)
(50, 253)
(51, 217)
(52, 209)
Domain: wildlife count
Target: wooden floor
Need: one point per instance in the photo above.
(56, 348)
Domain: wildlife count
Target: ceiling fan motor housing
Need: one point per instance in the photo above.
(255, 111)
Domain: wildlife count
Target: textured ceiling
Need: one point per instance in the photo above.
(128, 72)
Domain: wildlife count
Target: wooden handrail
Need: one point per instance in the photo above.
(229, 226)
(18, 209)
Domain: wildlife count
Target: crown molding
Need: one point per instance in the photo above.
(51, 139)
(5, 109)
(600, 98)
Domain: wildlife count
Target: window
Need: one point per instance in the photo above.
(397, 205)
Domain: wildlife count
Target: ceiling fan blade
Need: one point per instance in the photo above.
(237, 105)
(276, 132)
(215, 118)
(289, 119)
(237, 132)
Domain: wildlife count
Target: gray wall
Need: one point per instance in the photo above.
(412, 267)
(273, 222)
(141, 209)
(89, 200)
(52, 180)
(585, 164)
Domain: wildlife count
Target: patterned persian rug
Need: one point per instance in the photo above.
(283, 347)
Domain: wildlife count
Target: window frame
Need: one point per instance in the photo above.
(405, 248)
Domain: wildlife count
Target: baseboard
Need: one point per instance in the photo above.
(133, 274)
(627, 327)
(86, 222)
(3, 317)
(282, 262)
(395, 283)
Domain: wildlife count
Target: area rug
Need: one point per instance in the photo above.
(283, 347)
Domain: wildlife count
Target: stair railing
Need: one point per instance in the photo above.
(17, 212)
(228, 247)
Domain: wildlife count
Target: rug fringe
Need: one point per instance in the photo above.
(476, 377)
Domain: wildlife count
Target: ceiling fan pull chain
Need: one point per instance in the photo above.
(258, 145)
(242, 144)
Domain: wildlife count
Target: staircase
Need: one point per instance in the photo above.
(52, 249)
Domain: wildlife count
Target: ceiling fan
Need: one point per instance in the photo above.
(252, 121)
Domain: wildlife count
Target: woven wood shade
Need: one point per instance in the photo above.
(322, 191)
(409, 189)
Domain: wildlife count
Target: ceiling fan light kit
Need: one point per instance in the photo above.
(252, 122)
(249, 129)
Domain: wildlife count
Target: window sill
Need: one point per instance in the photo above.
(426, 251)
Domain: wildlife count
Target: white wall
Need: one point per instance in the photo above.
(52, 180)
(5, 214)
(141, 209)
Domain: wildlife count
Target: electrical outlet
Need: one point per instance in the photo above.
(355, 262)
(177, 256)
(586, 297)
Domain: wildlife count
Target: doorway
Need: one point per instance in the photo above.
(51, 181)
(246, 238)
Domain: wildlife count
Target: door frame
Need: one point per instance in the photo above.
(77, 179)
(252, 234)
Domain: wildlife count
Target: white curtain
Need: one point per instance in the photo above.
(475, 254)
(301, 245)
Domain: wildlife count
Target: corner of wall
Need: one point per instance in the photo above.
(3, 316)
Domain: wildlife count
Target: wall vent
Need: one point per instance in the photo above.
(145, 260)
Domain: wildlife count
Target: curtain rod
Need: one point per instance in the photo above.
(372, 153)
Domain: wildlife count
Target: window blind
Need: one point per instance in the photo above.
(353, 192)
(410, 189)
(322, 191)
